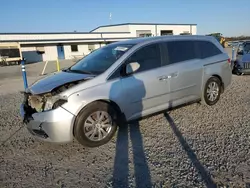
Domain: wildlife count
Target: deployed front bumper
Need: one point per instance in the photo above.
(52, 126)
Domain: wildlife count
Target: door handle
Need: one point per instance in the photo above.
(164, 78)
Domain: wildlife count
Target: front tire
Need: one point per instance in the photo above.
(96, 124)
(212, 91)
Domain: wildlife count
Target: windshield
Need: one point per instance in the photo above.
(247, 47)
(100, 60)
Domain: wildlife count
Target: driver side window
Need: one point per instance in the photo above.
(147, 57)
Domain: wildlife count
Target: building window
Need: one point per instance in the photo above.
(40, 49)
(166, 32)
(145, 35)
(74, 48)
(185, 33)
(91, 47)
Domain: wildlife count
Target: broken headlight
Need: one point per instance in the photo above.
(53, 103)
(58, 103)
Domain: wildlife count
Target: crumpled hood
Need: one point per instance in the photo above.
(246, 58)
(55, 80)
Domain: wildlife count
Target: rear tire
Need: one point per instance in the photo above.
(93, 122)
(212, 91)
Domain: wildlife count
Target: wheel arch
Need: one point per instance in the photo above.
(110, 102)
(222, 84)
(107, 101)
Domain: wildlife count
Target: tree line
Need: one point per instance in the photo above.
(237, 38)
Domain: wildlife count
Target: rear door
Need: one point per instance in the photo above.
(186, 71)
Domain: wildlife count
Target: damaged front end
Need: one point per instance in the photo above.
(42, 108)
(35, 103)
(44, 116)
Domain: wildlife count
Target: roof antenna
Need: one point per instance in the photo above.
(110, 17)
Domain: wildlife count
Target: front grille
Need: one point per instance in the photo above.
(247, 65)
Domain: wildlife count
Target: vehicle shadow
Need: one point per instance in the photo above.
(192, 156)
(121, 164)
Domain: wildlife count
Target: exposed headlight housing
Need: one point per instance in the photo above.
(53, 103)
(58, 103)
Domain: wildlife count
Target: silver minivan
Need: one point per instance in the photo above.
(125, 81)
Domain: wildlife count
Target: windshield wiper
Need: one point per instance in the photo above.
(78, 71)
(65, 69)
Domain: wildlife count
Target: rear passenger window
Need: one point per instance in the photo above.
(207, 49)
(180, 51)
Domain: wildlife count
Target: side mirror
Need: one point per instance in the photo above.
(132, 67)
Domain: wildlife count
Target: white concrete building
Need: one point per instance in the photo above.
(50, 46)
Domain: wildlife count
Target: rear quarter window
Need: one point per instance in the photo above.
(207, 49)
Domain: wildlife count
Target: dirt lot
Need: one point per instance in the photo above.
(194, 146)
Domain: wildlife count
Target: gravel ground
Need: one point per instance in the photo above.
(193, 146)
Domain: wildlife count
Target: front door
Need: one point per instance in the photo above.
(60, 52)
(147, 90)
